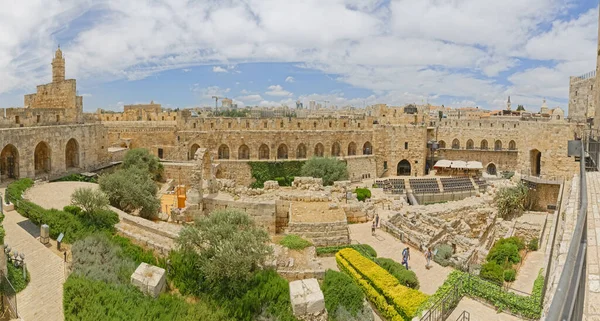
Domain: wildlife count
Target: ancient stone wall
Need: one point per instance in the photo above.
(545, 194)
(28, 117)
(361, 167)
(180, 173)
(505, 160)
(264, 213)
(149, 135)
(55, 95)
(400, 142)
(581, 98)
(322, 233)
(236, 170)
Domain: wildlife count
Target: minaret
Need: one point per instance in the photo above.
(508, 104)
(595, 90)
(58, 66)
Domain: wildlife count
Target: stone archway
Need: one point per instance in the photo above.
(535, 159)
(193, 150)
(41, 158)
(319, 150)
(9, 162)
(72, 154)
(403, 168)
(352, 149)
(491, 169)
(223, 152)
(301, 151)
(367, 148)
(336, 150)
(244, 152)
(263, 152)
(282, 152)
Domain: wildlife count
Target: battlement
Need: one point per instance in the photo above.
(30, 117)
(280, 124)
(588, 75)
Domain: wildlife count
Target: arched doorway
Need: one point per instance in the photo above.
(535, 157)
(41, 158)
(319, 150)
(491, 169)
(336, 149)
(9, 162)
(282, 152)
(301, 151)
(263, 152)
(193, 150)
(223, 152)
(367, 148)
(244, 152)
(72, 154)
(352, 149)
(403, 168)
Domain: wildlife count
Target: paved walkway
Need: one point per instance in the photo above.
(529, 271)
(479, 312)
(592, 305)
(42, 299)
(390, 247)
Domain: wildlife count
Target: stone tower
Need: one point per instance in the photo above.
(58, 66)
(595, 89)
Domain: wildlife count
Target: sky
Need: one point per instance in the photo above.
(270, 52)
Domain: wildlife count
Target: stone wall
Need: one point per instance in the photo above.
(581, 98)
(361, 167)
(282, 215)
(55, 95)
(149, 135)
(400, 142)
(180, 173)
(546, 194)
(504, 160)
(322, 234)
(236, 170)
(264, 213)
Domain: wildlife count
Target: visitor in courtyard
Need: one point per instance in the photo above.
(428, 255)
(376, 220)
(373, 227)
(405, 257)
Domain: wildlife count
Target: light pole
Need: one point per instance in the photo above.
(433, 146)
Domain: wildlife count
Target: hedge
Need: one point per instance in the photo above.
(15, 276)
(363, 249)
(341, 292)
(362, 194)
(406, 301)
(73, 223)
(283, 172)
(405, 277)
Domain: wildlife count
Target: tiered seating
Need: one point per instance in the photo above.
(393, 185)
(424, 185)
(482, 183)
(456, 184)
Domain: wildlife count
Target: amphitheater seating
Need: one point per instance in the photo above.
(392, 185)
(482, 183)
(424, 185)
(457, 184)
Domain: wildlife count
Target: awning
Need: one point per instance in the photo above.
(458, 164)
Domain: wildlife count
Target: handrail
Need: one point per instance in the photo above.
(464, 316)
(567, 303)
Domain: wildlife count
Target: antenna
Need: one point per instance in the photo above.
(216, 99)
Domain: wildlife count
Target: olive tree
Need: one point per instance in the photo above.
(131, 190)
(142, 159)
(327, 168)
(89, 199)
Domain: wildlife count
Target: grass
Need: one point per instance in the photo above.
(294, 242)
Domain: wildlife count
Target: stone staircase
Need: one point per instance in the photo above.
(322, 234)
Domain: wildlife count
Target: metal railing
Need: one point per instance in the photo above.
(441, 309)
(9, 296)
(464, 316)
(568, 300)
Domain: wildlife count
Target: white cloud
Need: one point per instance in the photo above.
(186, 70)
(289, 79)
(219, 69)
(209, 92)
(250, 98)
(277, 90)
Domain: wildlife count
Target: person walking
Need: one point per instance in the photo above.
(405, 257)
(373, 228)
(428, 256)
(377, 220)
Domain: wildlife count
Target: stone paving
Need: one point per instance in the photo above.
(42, 298)
(479, 312)
(592, 300)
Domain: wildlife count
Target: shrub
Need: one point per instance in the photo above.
(231, 249)
(131, 190)
(443, 255)
(77, 178)
(493, 272)
(267, 171)
(509, 275)
(364, 249)
(344, 299)
(96, 258)
(15, 276)
(89, 300)
(405, 277)
(405, 301)
(533, 244)
(294, 242)
(505, 252)
(141, 159)
(513, 201)
(362, 194)
(90, 200)
(329, 169)
(15, 190)
(134, 252)
(285, 181)
(366, 314)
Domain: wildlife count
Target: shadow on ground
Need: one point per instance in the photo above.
(30, 228)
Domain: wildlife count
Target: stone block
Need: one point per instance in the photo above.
(149, 279)
(306, 297)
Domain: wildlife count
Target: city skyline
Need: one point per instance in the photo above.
(468, 53)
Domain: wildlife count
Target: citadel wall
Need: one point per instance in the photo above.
(581, 97)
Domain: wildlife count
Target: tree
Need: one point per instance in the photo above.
(520, 108)
(131, 189)
(90, 200)
(142, 159)
(329, 169)
(513, 201)
(229, 249)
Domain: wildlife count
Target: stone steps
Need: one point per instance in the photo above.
(161, 244)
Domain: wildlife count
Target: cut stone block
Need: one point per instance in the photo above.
(306, 297)
(149, 279)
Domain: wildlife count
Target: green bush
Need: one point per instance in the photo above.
(493, 272)
(364, 249)
(341, 293)
(406, 277)
(131, 189)
(90, 300)
(269, 171)
(141, 159)
(96, 258)
(15, 190)
(513, 201)
(328, 168)
(294, 242)
(443, 255)
(90, 200)
(510, 275)
(15, 276)
(533, 244)
(134, 252)
(505, 252)
(362, 194)
(77, 178)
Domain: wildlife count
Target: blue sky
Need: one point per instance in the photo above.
(267, 52)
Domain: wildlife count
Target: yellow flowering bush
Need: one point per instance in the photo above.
(406, 301)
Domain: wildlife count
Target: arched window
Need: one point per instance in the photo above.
(455, 144)
(336, 149)
(301, 151)
(484, 144)
(41, 158)
(498, 145)
(352, 149)
(193, 150)
(442, 144)
(367, 148)
(223, 152)
(319, 150)
(243, 152)
(263, 152)
(512, 145)
(72, 154)
(470, 144)
(282, 152)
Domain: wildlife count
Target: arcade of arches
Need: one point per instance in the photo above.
(9, 162)
(72, 154)
(41, 158)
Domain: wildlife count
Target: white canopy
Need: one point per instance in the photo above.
(444, 163)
